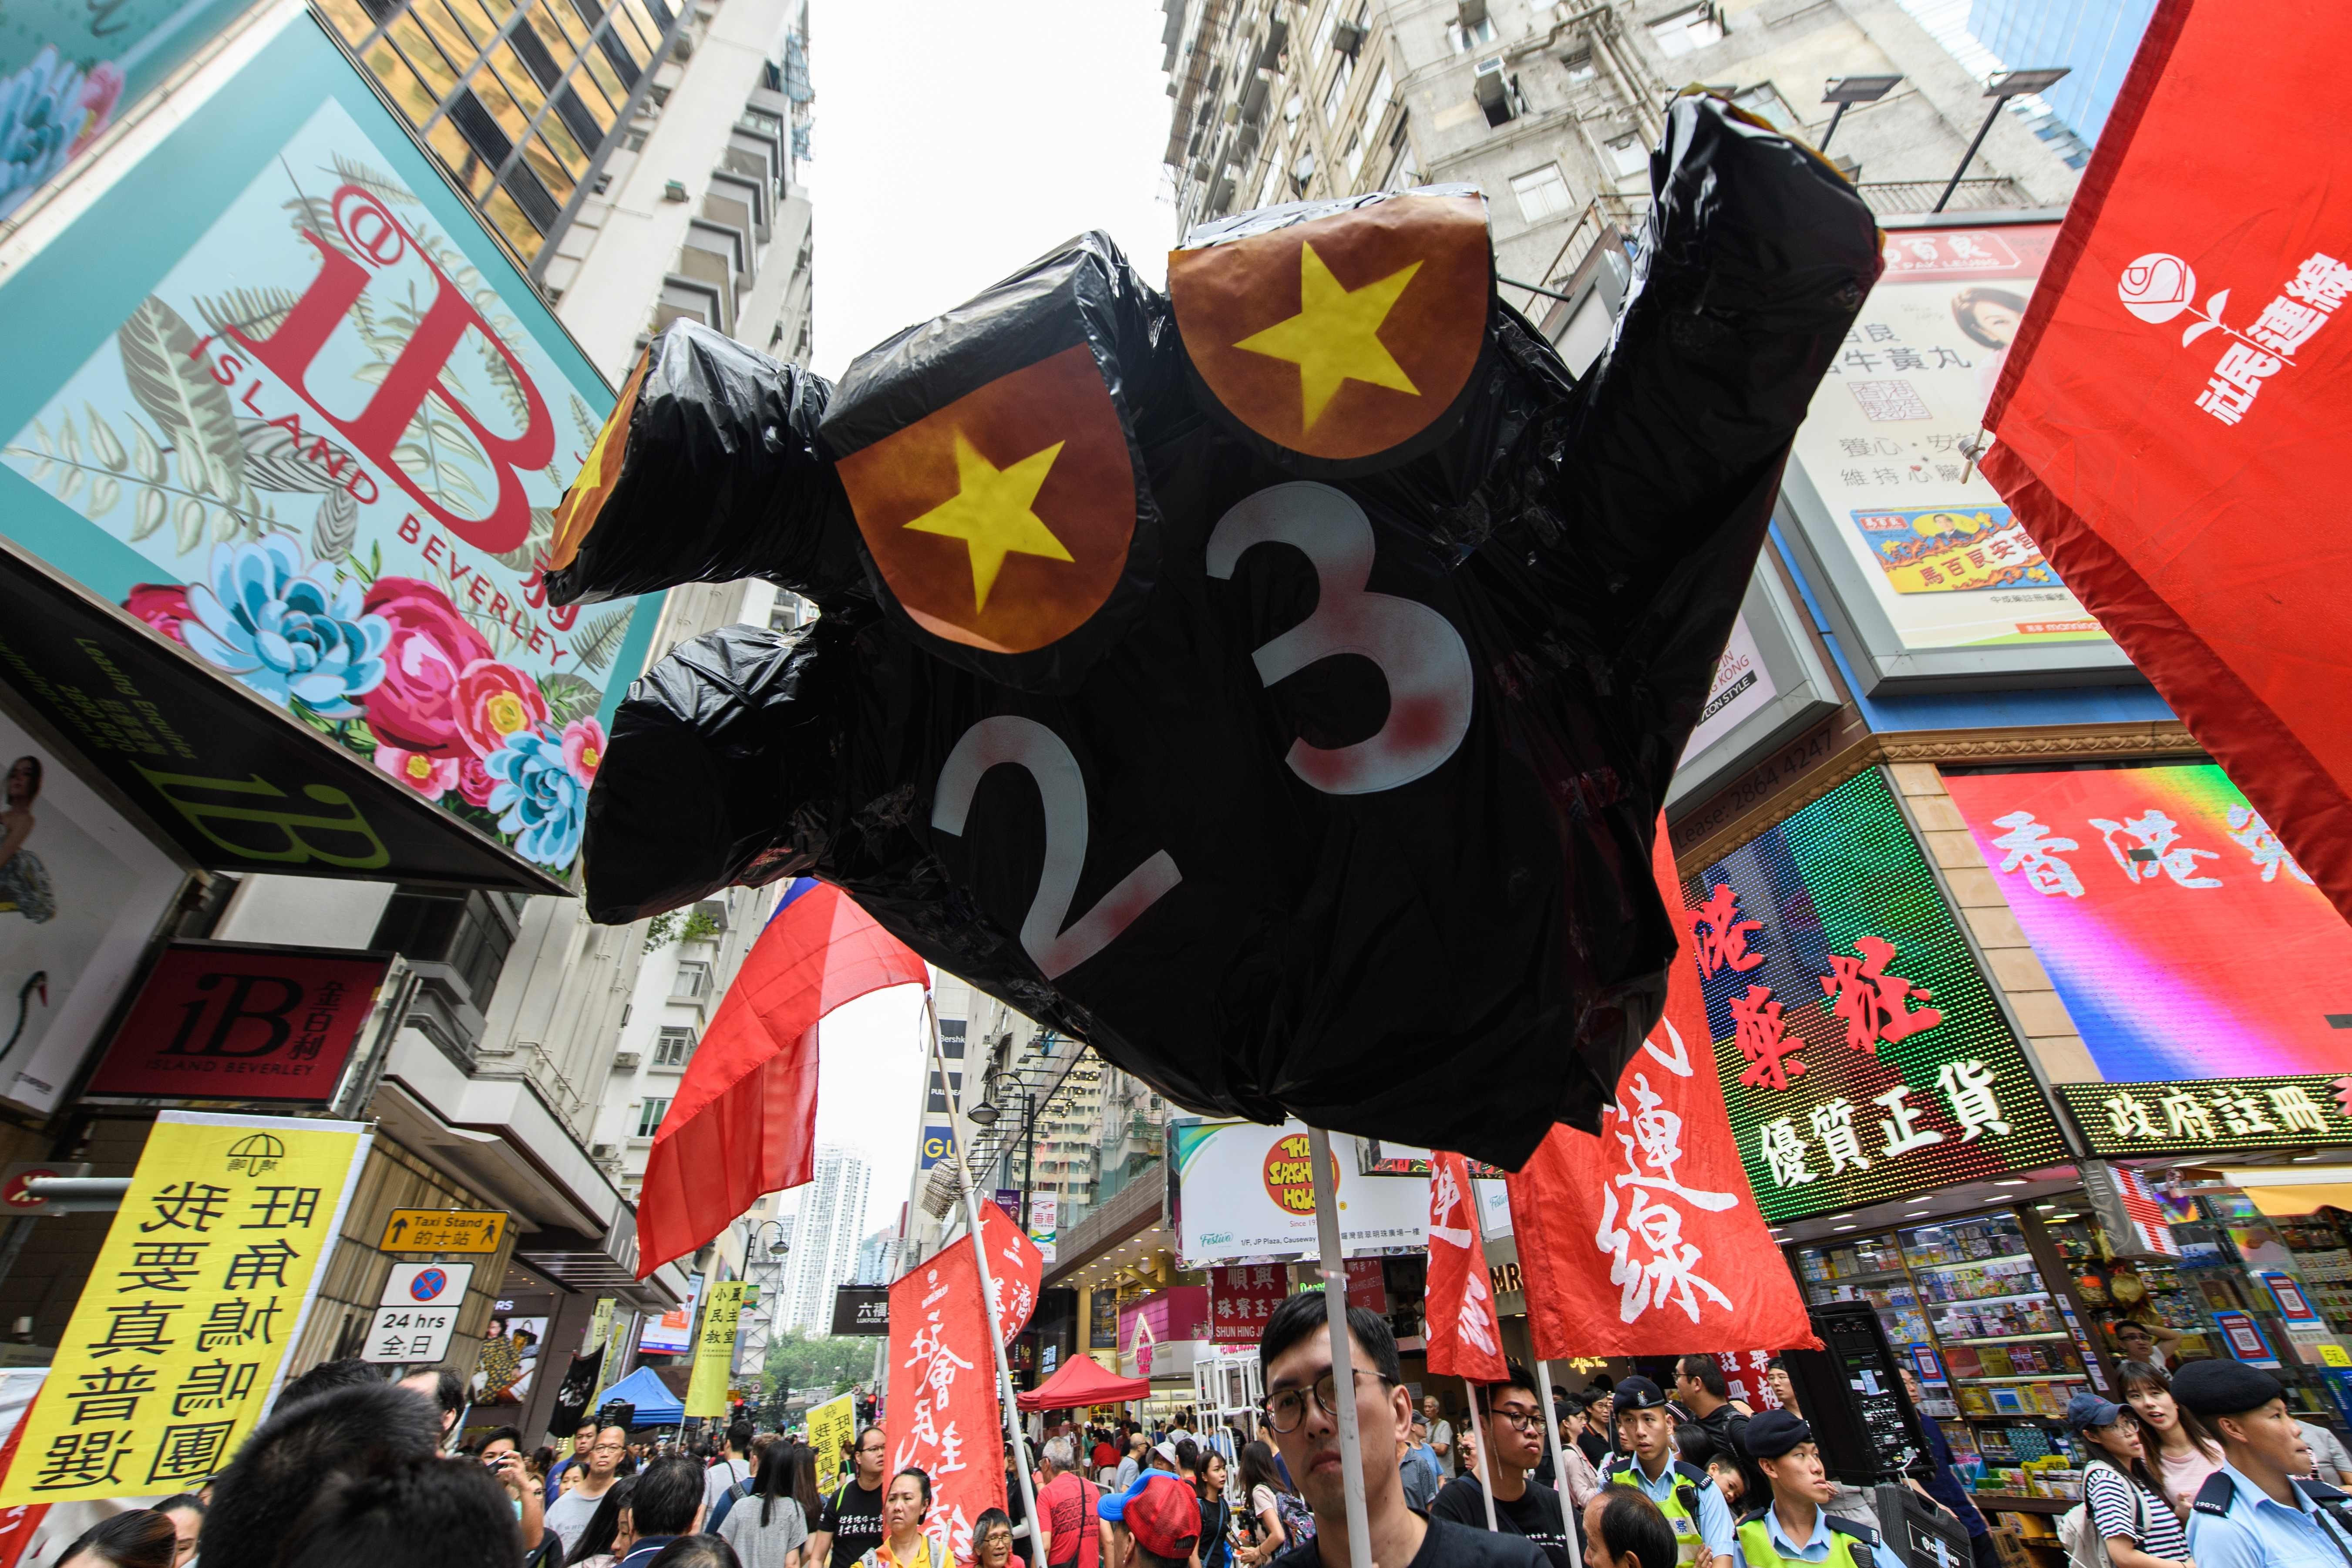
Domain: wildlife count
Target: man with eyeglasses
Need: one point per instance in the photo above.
(1514, 1444)
(849, 1522)
(1301, 1405)
(569, 1515)
(1686, 1494)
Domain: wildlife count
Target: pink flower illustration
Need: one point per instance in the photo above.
(583, 749)
(101, 91)
(162, 605)
(492, 701)
(431, 777)
(414, 709)
(474, 781)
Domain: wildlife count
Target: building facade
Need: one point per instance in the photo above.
(2094, 39)
(828, 1230)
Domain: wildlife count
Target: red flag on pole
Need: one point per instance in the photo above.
(744, 1122)
(944, 1414)
(1466, 1340)
(2175, 417)
(1661, 1198)
(1015, 1269)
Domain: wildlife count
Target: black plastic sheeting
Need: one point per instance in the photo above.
(1404, 890)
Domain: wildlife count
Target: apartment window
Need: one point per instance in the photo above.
(649, 1116)
(1468, 39)
(693, 981)
(674, 1048)
(1580, 68)
(1384, 89)
(1542, 193)
(1686, 30)
(471, 932)
(1355, 158)
(1337, 93)
(1626, 154)
(1765, 102)
(1270, 192)
(1404, 173)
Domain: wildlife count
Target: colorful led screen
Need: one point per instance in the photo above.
(1862, 1054)
(2184, 940)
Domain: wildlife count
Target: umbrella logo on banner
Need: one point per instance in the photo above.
(1346, 337)
(1002, 522)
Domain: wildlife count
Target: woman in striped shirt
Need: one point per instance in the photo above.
(2123, 1501)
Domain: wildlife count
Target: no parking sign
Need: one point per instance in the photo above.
(419, 1311)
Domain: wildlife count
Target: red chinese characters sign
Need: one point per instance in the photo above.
(2173, 423)
(1464, 1338)
(1243, 1297)
(242, 1023)
(1016, 1267)
(944, 1413)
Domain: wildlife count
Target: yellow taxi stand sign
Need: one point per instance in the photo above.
(444, 1230)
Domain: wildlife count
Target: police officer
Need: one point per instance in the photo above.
(2255, 1511)
(1684, 1493)
(1794, 1527)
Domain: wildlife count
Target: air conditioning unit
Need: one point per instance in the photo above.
(604, 1151)
(674, 191)
(1493, 90)
(682, 47)
(623, 1061)
(1348, 37)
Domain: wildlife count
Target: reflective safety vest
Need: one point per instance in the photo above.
(1680, 1504)
(1851, 1544)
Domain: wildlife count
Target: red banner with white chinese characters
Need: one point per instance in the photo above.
(1015, 1269)
(944, 1416)
(2174, 419)
(1465, 1339)
(1243, 1297)
(1691, 1264)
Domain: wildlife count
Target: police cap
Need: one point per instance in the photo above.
(2224, 1387)
(1772, 1433)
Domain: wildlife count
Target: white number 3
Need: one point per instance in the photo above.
(1042, 754)
(1421, 655)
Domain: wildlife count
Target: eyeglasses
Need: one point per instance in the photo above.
(1519, 1415)
(1286, 1408)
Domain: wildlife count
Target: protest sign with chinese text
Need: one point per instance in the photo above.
(1016, 1269)
(1465, 1338)
(1691, 1265)
(944, 1413)
(714, 1350)
(179, 1341)
(831, 1427)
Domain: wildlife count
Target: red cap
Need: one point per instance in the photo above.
(1163, 1515)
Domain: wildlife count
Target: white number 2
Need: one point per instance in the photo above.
(1042, 754)
(1421, 655)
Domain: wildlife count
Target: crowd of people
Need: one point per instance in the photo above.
(2200, 1466)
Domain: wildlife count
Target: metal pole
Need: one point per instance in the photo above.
(1983, 131)
(1836, 115)
(988, 1302)
(1559, 1456)
(1485, 1473)
(1343, 1350)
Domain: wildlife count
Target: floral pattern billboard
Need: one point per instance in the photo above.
(335, 451)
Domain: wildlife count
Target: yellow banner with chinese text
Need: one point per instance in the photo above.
(178, 1342)
(831, 1426)
(714, 1351)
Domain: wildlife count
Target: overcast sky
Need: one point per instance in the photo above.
(955, 141)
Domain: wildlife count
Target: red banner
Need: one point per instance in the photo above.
(2174, 419)
(1465, 1337)
(1691, 1266)
(1016, 1269)
(242, 1023)
(1243, 1298)
(944, 1415)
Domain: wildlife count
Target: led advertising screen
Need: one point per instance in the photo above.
(2183, 938)
(1862, 1053)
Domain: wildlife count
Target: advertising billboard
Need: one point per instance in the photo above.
(1244, 1193)
(81, 892)
(1769, 684)
(1925, 565)
(279, 395)
(1862, 1052)
(2183, 938)
(221, 1022)
(672, 1333)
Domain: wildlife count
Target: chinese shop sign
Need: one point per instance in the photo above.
(2183, 938)
(1862, 1053)
(176, 1346)
(2206, 1116)
(1243, 1297)
(229, 1023)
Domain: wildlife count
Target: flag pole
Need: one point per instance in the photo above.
(1343, 1353)
(1478, 1431)
(1575, 1530)
(988, 1300)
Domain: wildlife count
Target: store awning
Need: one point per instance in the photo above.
(240, 784)
(2282, 1191)
(1082, 1381)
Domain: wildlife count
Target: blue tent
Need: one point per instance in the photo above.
(657, 1405)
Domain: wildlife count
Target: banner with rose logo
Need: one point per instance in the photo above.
(321, 446)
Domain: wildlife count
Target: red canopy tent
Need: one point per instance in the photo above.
(1083, 1381)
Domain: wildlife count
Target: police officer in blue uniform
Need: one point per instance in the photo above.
(1684, 1493)
(1794, 1527)
(2256, 1512)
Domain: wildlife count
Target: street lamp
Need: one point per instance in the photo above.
(1846, 91)
(988, 1112)
(2000, 87)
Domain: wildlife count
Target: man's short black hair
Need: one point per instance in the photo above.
(350, 1431)
(326, 1377)
(696, 1552)
(1515, 1375)
(1299, 1316)
(448, 1389)
(739, 1436)
(1704, 1371)
(1631, 1525)
(512, 1434)
(669, 1491)
(419, 1513)
(1774, 1364)
(1694, 1445)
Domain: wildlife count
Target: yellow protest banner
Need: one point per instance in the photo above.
(831, 1426)
(179, 1341)
(714, 1351)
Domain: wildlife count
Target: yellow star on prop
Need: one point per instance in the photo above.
(990, 512)
(1335, 337)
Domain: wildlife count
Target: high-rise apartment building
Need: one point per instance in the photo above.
(877, 1256)
(827, 1232)
(2094, 39)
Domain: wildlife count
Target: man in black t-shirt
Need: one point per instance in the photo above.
(1515, 1443)
(1301, 1398)
(849, 1520)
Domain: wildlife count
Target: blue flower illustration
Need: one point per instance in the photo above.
(290, 636)
(543, 802)
(41, 119)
